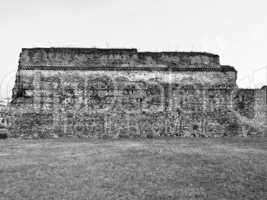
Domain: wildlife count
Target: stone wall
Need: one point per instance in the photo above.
(125, 93)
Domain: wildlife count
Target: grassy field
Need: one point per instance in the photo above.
(225, 168)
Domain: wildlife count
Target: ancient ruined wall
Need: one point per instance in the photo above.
(124, 93)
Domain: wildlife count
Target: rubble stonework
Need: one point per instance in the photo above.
(80, 92)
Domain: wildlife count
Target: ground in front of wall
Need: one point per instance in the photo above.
(219, 168)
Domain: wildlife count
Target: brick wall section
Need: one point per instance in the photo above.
(261, 105)
(79, 57)
(245, 102)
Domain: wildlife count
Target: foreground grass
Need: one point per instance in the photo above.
(229, 168)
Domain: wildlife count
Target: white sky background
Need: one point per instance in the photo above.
(234, 29)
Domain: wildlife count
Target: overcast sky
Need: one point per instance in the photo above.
(234, 29)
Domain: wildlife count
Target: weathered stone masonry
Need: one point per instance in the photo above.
(125, 93)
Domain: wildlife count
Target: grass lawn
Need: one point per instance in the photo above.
(174, 168)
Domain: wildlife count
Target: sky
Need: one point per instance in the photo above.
(234, 29)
